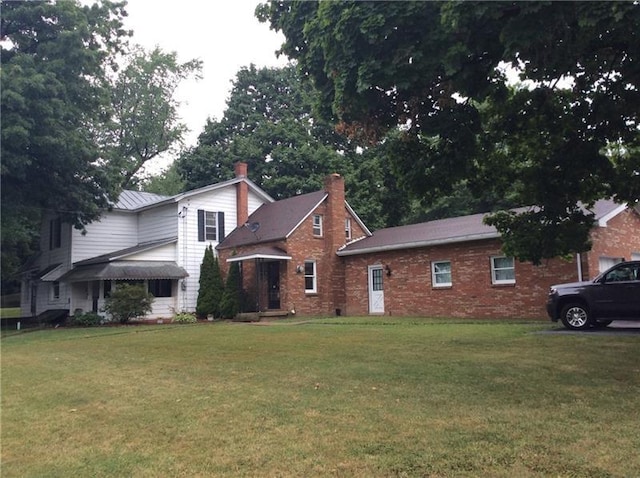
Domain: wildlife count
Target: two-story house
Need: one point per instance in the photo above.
(309, 255)
(148, 238)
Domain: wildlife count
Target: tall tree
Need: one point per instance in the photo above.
(55, 94)
(168, 182)
(432, 79)
(267, 124)
(231, 303)
(75, 130)
(205, 304)
(145, 120)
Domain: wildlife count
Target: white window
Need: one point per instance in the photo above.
(503, 270)
(347, 228)
(441, 273)
(310, 280)
(317, 225)
(210, 226)
(606, 263)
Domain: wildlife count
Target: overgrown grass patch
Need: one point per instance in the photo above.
(9, 312)
(326, 397)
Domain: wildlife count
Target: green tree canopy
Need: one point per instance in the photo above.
(267, 124)
(145, 120)
(55, 96)
(431, 80)
(76, 126)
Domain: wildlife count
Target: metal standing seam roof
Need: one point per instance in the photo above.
(445, 231)
(132, 200)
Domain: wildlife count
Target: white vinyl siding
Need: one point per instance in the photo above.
(114, 231)
(158, 223)
(189, 251)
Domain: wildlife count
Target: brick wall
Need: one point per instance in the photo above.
(619, 238)
(408, 290)
(302, 245)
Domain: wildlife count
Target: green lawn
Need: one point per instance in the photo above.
(350, 397)
(9, 312)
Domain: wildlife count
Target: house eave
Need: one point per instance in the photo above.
(602, 222)
(417, 244)
(273, 257)
(306, 216)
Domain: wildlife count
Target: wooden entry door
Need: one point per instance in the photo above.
(273, 285)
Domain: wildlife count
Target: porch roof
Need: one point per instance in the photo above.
(51, 273)
(125, 270)
(273, 253)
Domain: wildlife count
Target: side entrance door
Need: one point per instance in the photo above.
(376, 290)
(273, 284)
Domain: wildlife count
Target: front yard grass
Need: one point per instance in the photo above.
(333, 397)
(9, 312)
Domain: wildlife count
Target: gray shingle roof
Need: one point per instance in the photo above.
(274, 221)
(442, 231)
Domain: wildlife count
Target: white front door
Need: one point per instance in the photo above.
(376, 290)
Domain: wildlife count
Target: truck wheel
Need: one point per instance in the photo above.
(575, 317)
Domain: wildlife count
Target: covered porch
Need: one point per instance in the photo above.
(264, 272)
(91, 284)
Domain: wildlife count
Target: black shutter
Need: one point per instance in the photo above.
(200, 225)
(220, 226)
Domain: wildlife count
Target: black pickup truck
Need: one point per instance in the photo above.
(613, 295)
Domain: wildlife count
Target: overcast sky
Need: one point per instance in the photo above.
(224, 34)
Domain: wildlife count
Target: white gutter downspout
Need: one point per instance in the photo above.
(579, 261)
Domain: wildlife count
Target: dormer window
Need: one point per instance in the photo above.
(317, 225)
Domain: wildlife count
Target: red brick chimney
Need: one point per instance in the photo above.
(335, 238)
(334, 186)
(242, 194)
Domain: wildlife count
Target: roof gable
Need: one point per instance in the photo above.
(139, 200)
(274, 221)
